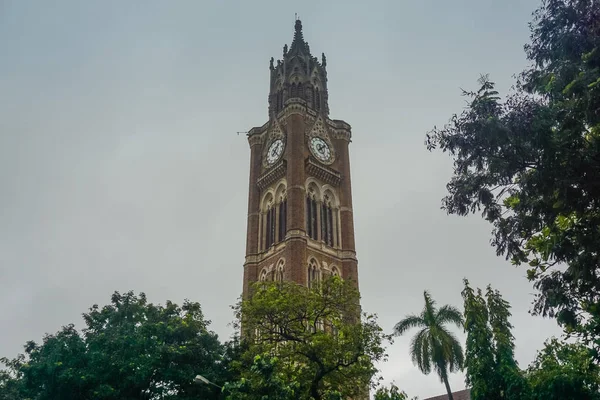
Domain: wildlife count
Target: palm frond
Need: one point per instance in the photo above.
(450, 314)
(411, 321)
(451, 349)
(429, 311)
(458, 361)
(420, 351)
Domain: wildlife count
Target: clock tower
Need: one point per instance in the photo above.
(300, 223)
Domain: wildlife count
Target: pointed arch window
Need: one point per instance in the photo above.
(317, 100)
(270, 227)
(282, 219)
(314, 273)
(311, 216)
(264, 276)
(279, 100)
(335, 271)
(279, 271)
(293, 90)
(327, 221)
(310, 95)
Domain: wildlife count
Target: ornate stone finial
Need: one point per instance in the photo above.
(298, 33)
(285, 49)
(323, 60)
(271, 67)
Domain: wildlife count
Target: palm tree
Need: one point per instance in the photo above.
(434, 346)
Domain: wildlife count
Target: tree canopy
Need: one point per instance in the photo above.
(318, 335)
(129, 349)
(492, 372)
(391, 393)
(564, 371)
(531, 163)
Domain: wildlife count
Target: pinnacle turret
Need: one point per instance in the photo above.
(298, 76)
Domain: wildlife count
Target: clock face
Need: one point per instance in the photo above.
(275, 151)
(320, 149)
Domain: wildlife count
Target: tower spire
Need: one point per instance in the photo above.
(299, 76)
(299, 45)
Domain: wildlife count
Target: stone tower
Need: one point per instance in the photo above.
(300, 223)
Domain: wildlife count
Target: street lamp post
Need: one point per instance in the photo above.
(202, 380)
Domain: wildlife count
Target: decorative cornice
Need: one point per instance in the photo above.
(344, 135)
(341, 254)
(255, 140)
(258, 129)
(322, 172)
(294, 106)
(252, 259)
(322, 247)
(340, 129)
(348, 255)
(276, 172)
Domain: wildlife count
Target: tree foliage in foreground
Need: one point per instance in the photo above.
(491, 369)
(129, 349)
(564, 371)
(531, 164)
(434, 346)
(393, 393)
(263, 380)
(320, 340)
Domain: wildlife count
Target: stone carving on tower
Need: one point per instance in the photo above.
(300, 221)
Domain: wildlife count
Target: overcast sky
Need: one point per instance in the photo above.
(121, 169)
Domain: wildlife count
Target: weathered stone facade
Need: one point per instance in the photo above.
(300, 195)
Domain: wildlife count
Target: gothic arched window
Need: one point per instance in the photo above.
(282, 219)
(317, 100)
(314, 273)
(327, 220)
(264, 276)
(311, 216)
(279, 100)
(335, 271)
(270, 227)
(279, 271)
(310, 95)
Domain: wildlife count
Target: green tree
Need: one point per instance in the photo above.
(130, 349)
(263, 380)
(510, 381)
(564, 371)
(531, 163)
(434, 346)
(492, 372)
(10, 382)
(393, 393)
(479, 353)
(321, 341)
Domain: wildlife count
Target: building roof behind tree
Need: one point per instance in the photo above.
(460, 395)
